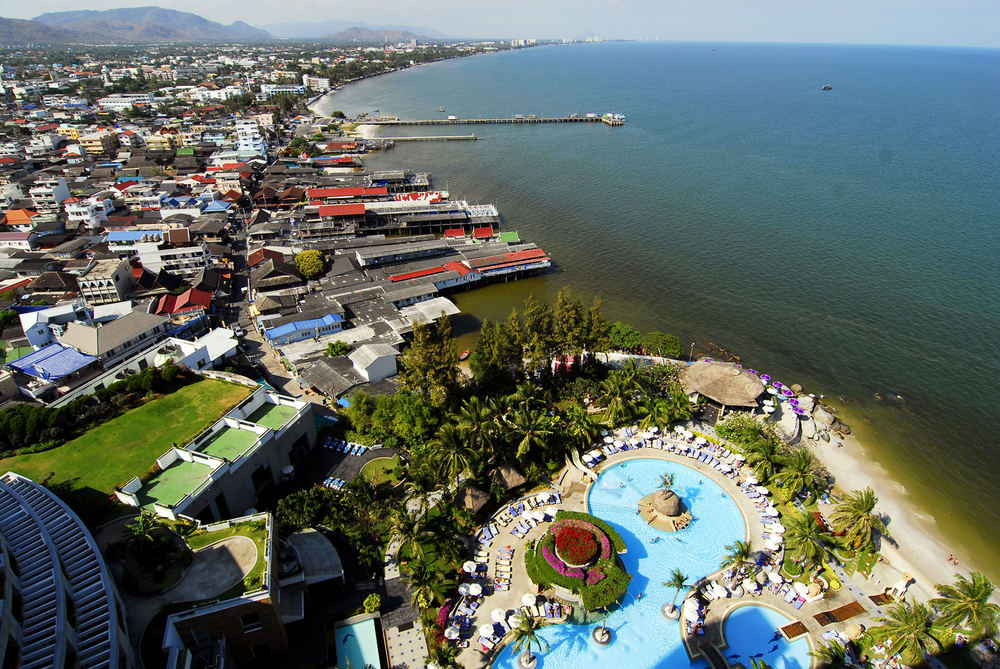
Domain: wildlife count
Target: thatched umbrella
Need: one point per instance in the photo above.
(722, 382)
(507, 476)
(472, 498)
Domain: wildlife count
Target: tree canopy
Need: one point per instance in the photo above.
(310, 263)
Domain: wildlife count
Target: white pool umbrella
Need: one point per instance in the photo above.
(774, 577)
(777, 527)
(618, 443)
(801, 588)
(609, 440)
(515, 620)
(452, 633)
(475, 589)
(463, 589)
(538, 515)
(762, 490)
(528, 599)
(679, 429)
(701, 441)
(498, 614)
(772, 546)
(469, 567)
(752, 480)
(486, 630)
(691, 613)
(654, 429)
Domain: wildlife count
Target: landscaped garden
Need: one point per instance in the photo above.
(579, 552)
(383, 470)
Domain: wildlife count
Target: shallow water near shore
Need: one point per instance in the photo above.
(845, 240)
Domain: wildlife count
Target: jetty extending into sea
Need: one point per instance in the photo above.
(609, 119)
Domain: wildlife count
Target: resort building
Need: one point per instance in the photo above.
(69, 613)
(221, 472)
(116, 340)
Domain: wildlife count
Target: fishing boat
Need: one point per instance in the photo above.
(441, 109)
(827, 87)
(464, 355)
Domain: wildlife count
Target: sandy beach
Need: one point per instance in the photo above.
(917, 547)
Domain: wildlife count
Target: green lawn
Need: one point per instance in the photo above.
(383, 470)
(13, 354)
(111, 454)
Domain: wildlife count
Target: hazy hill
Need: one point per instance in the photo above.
(323, 29)
(358, 35)
(19, 31)
(147, 24)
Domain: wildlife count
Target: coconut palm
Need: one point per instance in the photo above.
(617, 398)
(831, 656)
(529, 428)
(408, 531)
(429, 585)
(757, 663)
(762, 456)
(473, 419)
(528, 395)
(452, 454)
(737, 554)
(142, 529)
(805, 540)
(966, 602)
(677, 581)
(580, 427)
(665, 481)
(799, 474)
(526, 636)
(656, 411)
(910, 628)
(855, 516)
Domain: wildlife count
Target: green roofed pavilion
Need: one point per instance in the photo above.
(274, 416)
(509, 236)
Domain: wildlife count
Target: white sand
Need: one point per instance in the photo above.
(921, 551)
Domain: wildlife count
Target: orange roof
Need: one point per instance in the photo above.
(342, 210)
(20, 216)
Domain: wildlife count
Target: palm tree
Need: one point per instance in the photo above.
(656, 412)
(831, 656)
(616, 398)
(665, 481)
(528, 395)
(738, 554)
(910, 627)
(529, 428)
(758, 663)
(580, 427)
(762, 457)
(805, 540)
(473, 418)
(526, 636)
(677, 581)
(429, 584)
(967, 602)
(798, 473)
(408, 531)
(142, 528)
(856, 517)
(452, 454)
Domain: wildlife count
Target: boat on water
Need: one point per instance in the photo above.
(464, 355)
(441, 109)
(827, 87)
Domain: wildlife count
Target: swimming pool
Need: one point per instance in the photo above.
(642, 638)
(357, 643)
(751, 632)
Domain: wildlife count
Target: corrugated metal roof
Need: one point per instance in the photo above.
(342, 210)
(296, 326)
(416, 274)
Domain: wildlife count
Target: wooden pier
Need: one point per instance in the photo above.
(497, 120)
(430, 138)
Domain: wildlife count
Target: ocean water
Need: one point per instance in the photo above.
(846, 240)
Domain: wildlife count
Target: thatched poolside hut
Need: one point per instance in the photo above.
(723, 383)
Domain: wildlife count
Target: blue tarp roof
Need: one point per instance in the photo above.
(296, 326)
(52, 362)
(344, 402)
(218, 205)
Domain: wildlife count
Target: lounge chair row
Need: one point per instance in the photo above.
(333, 484)
(341, 446)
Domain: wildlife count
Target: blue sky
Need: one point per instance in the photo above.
(942, 22)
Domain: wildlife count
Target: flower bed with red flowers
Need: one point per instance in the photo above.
(576, 546)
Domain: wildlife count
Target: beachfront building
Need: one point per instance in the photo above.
(221, 472)
(69, 613)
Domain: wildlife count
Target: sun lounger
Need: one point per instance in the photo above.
(799, 602)
(790, 596)
(362, 450)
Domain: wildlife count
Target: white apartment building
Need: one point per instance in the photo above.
(316, 83)
(119, 102)
(48, 195)
(249, 138)
(90, 212)
(42, 144)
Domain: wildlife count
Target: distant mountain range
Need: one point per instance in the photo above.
(328, 29)
(150, 25)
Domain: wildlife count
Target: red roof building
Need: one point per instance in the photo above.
(192, 298)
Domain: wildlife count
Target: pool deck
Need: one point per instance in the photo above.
(574, 486)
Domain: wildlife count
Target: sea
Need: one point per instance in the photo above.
(846, 240)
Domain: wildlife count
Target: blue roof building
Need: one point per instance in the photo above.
(52, 362)
(297, 327)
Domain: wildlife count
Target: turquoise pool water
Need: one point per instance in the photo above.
(750, 632)
(358, 644)
(642, 638)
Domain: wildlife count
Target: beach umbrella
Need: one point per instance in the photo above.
(772, 546)
(772, 391)
(654, 429)
(452, 633)
(679, 429)
(774, 577)
(498, 614)
(765, 377)
(618, 443)
(515, 620)
(475, 589)
(761, 577)
(544, 498)
(486, 630)
(800, 588)
(528, 599)
(777, 384)
(752, 371)
(854, 630)
(469, 567)
(609, 440)
(725, 469)
(701, 441)
(463, 589)
(691, 614)
(689, 434)
(538, 515)
(752, 480)
(777, 527)
(762, 490)
(633, 441)
(751, 585)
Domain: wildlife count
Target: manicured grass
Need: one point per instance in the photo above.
(14, 353)
(383, 470)
(255, 530)
(111, 454)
